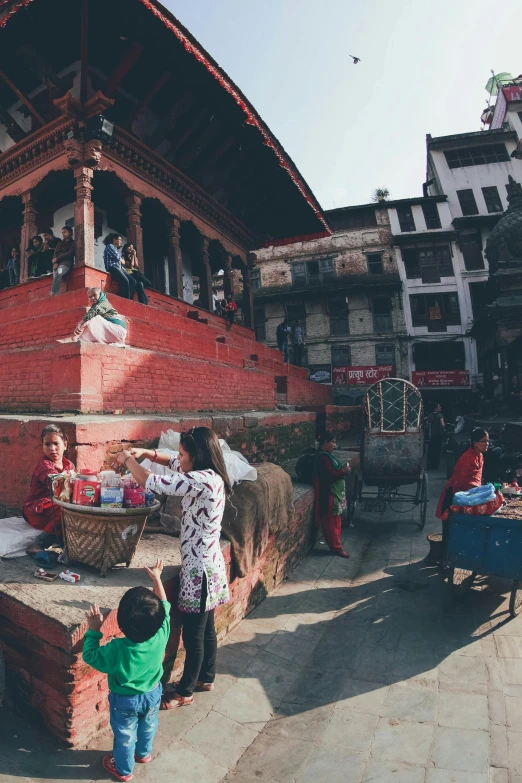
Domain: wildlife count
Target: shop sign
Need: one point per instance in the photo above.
(440, 378)
(512, 93)
(355, 376)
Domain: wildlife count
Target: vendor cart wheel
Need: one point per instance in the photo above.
(515, 601)
(423, 500)
(460, 581)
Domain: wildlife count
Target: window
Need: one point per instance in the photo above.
(375, 266)
(479, 298)
(436, 311)
(428, 263)
(338, 312)
(296, 311)
(382, 317)
(471, 248)
(477, 156)
(313, 273)
(341, 356)
(260, 323)
(298, 273)
(354, 218)
(255, 278)
(443, 355)
(467, 201)
(406, 220)
(385, 353)
(431, 215)
(492, 199)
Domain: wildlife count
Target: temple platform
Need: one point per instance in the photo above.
(43, 624)
(177, 357)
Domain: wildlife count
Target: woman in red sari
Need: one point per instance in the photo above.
(38, 508)
(467, 473)
(330, 494)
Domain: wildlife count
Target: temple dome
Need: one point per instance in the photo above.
(504, 244)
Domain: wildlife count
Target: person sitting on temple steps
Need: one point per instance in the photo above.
(35, 251)
(113, 265)
(63, 259)
(100, 324)
(129, 260)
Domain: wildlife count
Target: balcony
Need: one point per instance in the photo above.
(313, 281)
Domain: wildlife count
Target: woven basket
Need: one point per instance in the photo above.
(101, 538)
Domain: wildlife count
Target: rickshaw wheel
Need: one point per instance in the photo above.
(515, 601)
(460, 581)
(355, 497)
(423, 500)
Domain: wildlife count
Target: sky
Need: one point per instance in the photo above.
(353, 128)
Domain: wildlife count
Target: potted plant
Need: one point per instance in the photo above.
(380, 194)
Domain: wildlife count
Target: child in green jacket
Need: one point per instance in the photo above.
(134, 668)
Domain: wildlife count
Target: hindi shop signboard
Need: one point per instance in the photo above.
(440, 378)
(361, 376)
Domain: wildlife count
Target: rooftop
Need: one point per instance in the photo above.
(474, 137)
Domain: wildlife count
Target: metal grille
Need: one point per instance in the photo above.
(393, 405)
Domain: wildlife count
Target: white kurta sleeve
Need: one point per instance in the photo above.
(194, 485)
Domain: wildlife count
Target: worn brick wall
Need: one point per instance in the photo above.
(93, 442)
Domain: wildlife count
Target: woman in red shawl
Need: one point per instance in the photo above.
(330, 493)
(38, 508)
(467, 473)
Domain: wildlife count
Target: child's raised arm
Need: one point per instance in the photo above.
(155, 575)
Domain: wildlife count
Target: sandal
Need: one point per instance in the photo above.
(109, 766)
(143, 759)
(176, 701)
(204, 686)
(343, 553)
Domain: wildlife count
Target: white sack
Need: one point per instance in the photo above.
(238, 467)
(15, 536)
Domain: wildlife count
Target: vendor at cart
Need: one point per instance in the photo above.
(467, 474)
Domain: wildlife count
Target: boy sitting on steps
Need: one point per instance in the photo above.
(134, 668)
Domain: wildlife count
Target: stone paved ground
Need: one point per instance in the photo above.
(358, 670)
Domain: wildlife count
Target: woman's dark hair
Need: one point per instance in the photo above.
(125, 250)
(478, 434)
(202, 444)
(109, 239)
(38, 237)
(325, 437)
(140, 614)
(56, 429)
(15, 248)
(49, 231)
(68, 228)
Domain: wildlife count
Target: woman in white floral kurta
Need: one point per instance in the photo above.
(200, 478)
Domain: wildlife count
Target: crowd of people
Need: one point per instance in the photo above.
(47, 255)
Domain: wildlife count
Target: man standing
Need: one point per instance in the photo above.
(282, 334)
(437, 433)
(298, 343)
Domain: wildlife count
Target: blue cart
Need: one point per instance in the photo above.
(490, 546)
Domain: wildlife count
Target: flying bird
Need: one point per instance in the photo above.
(355, 59)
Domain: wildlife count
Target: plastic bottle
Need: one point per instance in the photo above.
(111, 492)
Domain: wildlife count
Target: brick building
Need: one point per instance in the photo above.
(346, 289)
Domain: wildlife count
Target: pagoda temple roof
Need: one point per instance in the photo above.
(166, 91)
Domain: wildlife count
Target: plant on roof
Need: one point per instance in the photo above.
(380, 194)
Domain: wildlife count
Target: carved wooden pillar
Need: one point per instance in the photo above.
(29, 230)
(84, 217)
(228, 277)
(134, 230)
(175, 258)
(248, 295)
(205, 278)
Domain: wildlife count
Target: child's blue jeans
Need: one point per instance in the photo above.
(134, 722)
